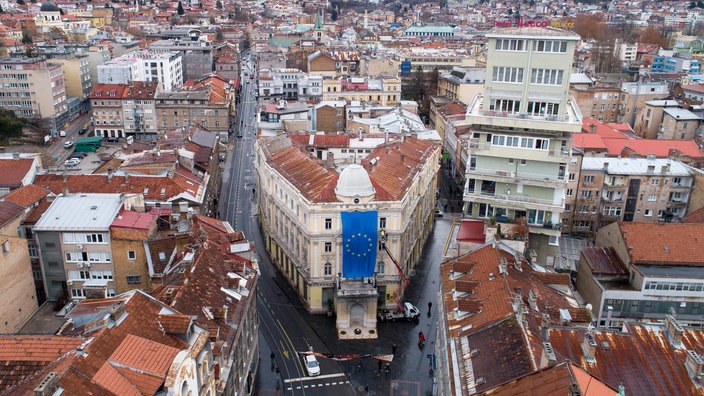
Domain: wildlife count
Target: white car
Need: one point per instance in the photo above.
(71, 162)
(68, 145)
(312, 365)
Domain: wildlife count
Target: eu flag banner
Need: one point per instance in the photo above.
(359, 243)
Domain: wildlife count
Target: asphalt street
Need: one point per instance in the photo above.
(286, 327)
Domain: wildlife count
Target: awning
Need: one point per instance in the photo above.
(504, 94)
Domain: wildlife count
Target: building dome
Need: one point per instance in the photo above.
(354, 182)
(49, 6)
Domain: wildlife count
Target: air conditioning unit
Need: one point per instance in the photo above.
(79, 247)
(79, 265)
(69, 283)
(87, 265)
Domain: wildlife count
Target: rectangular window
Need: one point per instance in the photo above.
(546, 76)
(588, 179)
(134, 279)
(652, 197)
(569, 192)
(655, 182)
(328, 224)
(131, 255)
(507, 74)
(571, 177)
(586, 193)
(510, 45)
(328, 247)
(78, 293)
(648, 212)
(382, 222)
(550, 46)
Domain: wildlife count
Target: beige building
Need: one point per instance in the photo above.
(601, 103)
(121, 110)
(647, 190)
(461, 84)
(648, 123)
(33, 88)
(19, 299)
(634, 95)
(301, 200)
(128, 233)
(376, 65)
(76, 75)
(679, 124)
(429, 60)
(384, 90)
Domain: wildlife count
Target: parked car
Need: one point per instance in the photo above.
(62, 133)
(82, 131)
(112, 139)
(78, 155)
(71, 162)
(312, 365)
(68, 145)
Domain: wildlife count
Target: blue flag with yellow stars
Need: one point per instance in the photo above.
(359, 234)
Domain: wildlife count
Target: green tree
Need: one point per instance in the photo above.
(1, 10)
(10, 126)
(20, 2)
(218, 5)
(179, 10)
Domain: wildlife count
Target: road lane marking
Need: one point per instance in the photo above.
(317, 377)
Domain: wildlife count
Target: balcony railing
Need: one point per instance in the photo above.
(518, 175)
(515, 198)
(606, 198)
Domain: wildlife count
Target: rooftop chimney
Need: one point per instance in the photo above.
(403, 158)
(665, 169)
(592, 128)
(548, 357)
(675, 331)
(110, 175)
(694, 364)
(589, 347)
(330, 160)
(48, 385)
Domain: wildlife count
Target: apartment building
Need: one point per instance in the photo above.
(121, 110)
(128, 233)
(196, 55)
(73, 236)
(605, 190)
(304, 202)
(461, 84)
(648, 123)
(522, 124)
(384, 90)
(443, 60)
(679, 124)
(601, 102)
(33, 88)
(164, 67)
(635, 94)
(76, 68)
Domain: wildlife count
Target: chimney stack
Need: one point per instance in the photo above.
(548, 357)
(110, 175)
(403, 158)
(675, 331)
(694, 364)
(589, 347)
(592, 128)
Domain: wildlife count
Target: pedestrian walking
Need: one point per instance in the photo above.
(387, 369)
(273, 355)
(393, 349)
(421, 337)
(430, 305)
(381, 364)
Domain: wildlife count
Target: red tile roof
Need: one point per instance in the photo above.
(8, 212)
(695, 217)
(662, 148)
(26, 195)
(12, 171)
(554, 381)
(664, 244)
(398, 166)
(136, 220)
(320, 141)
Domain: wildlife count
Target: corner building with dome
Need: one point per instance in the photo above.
(330, 213)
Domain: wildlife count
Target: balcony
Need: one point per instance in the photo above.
(514, 201)
(677, 203)
(538, 179)
(607, 198)
(486, 148)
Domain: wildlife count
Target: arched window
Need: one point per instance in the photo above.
(380, 267)
(327, 268)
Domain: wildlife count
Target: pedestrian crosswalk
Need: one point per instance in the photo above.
(321, 381)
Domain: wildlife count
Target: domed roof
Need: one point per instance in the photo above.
(354, 182)
(49, 6)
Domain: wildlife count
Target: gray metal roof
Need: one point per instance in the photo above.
(636, 166)
(80, 212)
(680, 114)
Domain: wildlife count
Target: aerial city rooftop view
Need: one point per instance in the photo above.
(263, 197)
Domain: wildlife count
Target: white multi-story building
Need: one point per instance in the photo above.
(522, 124)
(164, 67)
